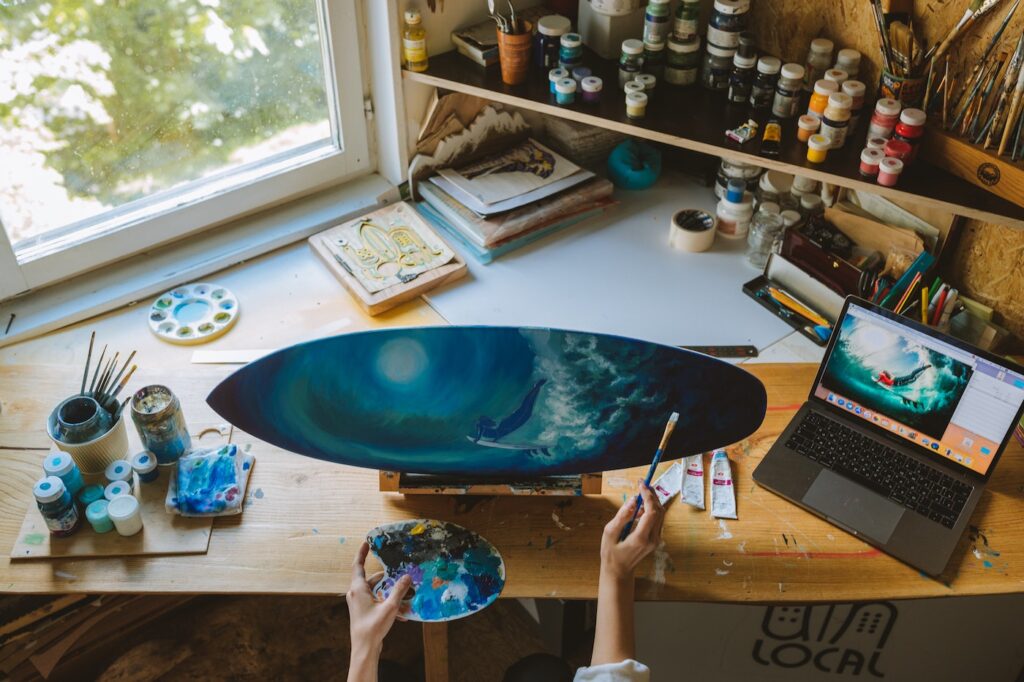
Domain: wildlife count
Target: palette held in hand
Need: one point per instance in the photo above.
(194, 313)
(454, 571)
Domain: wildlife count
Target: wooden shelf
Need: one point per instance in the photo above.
(695, 118)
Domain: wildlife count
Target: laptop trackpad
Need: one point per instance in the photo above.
(854, 506)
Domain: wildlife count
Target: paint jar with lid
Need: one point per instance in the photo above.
(555, 75)
(819, 58)
(161, 423)
(787, 91)
(735, 170)
(898, 149)
(817, 148)
(848, 60)
(570, 50)
(762, 92)
(811, 205)
(883, 121)
(836, 121)
(116, 489)
(119, 470)
(741, 80)
(565, 92)
(837, 76)
(580, 72)
(819, 97)
(717, 67)
(856, 90)
(910, 129)
(806, 126)
(767, 206)
(876, 143)
(728, 20)
(126, 514)
(869, 160)
(89, 494)
(631, 62)
(144, 465)
(764, 229)
(735, 211)
(547, 40)
(684, 26)
(633, 86)
(654, 58)
(636, 104)
(648, 80)
(889, 170)
(61, 465)
(591, 87)
(57, 506)
(657, 20)
(682, 61)
(96, 515)
(791, 218)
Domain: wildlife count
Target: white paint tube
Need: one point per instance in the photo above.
(668, 483)
(693, 481)
(723, 495)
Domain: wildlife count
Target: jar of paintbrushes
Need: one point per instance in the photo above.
(88, 425)
(514, 43)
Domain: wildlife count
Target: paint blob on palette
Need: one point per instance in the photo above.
(454, 571)
(193, 313)
(489, 401)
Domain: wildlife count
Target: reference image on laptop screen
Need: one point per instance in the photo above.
(941, 397)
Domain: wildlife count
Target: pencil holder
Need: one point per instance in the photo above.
(514, 54)
(93, 455)
(909, 91)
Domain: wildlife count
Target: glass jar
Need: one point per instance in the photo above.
(160, 422)
(656, 22)
(717, 67)
(570, 51)
(685, 25)
(631, 61)
(547, 40)
(682, 61)
(764, 228)
(80, 419)
(741, 79)
(56, 506)
(762, 92)
(786, 102)
(654, 59)
(728, 20)
(819, 58)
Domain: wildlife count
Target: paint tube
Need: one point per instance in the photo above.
(669, 483)
(693, 481)
(723, 496)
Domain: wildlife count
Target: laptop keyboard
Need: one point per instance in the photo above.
(880, 468)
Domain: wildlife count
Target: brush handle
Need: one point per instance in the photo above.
(647, 482)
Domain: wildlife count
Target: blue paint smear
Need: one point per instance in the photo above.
(986, 563)
(489, 400)
(208, 484)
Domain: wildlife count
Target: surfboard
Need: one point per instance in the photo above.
(489, 401)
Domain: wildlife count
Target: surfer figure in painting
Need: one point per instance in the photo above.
(886, 379)
(489, 432)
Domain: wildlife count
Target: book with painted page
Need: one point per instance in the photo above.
(493, 230)
(501, 182)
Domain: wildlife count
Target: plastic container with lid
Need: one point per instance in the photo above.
(848, 60)
(570, 50)
(876, 143)
(636, 104)
(144, 464)
(765, 227)
(835, 122)
(856, 90)
(717, 67)
(648, 80)
(819, 97)
(728, 20)
(116, 489)
(580, 72)
(684, 26)
(89, 494)
(817, 148)
(56, 506)
(791, 218)
(898, 149)
(806, 126)
(811, 204)
(61, 465)
(819, 58)
(837, 76)
(869, 160)
(742, 78)
(119, 470)
(591, 87)
(883, 121)
(767, 206)
(910, 129)
(632, 60)
(657, 21)
(546, 41)
(735, 210)
(555, 75)
(787, 91)
(126, 514)
(889, 170)
(762, 92)
(565, 91)
(633, 86)
(683, 61)
(654, 58)
(96, 515)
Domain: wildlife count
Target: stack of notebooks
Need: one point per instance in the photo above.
(510, 199)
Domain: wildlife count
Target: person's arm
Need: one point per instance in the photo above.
(613, 639)
(370, 619)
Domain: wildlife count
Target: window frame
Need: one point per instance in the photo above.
(343, 38)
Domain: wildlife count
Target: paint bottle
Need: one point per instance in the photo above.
(116, 489)
(869, 160)
(687, 15)
(836, 121)
(565, 92)
(570, 51)
(414, 42)
(762, 92)
(683, 61)
(787, 91)
(741, 80)
(876, 143)
(735, 211)
(910, 129)
(654, 59)
(57, 506)
(591, 86)
(144, 464)
(656, 22)
(717, 67)
(897, 149)
(889, 170)
(728, 20)
(555, 75)
(547, 41)
(631, 61)
(806, 126)
(819, 57)
(579, 73)
(636, 104)
(96, 515)
(124, 511)
(61, 465)
(848, 60)
(837, 76)
(119, 470)
(161, 424)
(817, 148)
(819, 97)
(856, 90)
(89, 494)
(648, 80)
(883, 121)
(633, 86)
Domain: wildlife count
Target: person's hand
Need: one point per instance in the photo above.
(371, 619)
(619, 559)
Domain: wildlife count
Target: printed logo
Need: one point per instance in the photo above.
(988, 173)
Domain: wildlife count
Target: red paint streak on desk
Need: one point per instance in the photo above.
(785, 408)
(865, 554)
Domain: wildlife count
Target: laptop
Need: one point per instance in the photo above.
(899, 436)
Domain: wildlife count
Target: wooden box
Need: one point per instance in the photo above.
(975, 165)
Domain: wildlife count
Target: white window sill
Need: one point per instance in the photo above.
(151, 273)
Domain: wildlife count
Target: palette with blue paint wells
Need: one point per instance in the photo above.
(193, 313)
(454, 571)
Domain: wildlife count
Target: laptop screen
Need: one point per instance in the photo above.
(934, 394)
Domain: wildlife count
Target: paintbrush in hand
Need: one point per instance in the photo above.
(669, 428)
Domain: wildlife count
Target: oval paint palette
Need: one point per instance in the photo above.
(454, 571)
(194, 313)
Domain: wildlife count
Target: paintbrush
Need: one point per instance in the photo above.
(975, 79)
(88, 358)
(124, 382)
(96, 372)
(1015, 106)
(883, 34)
(126, 363)
(669, 428)
(1005, 93)
(105, 376)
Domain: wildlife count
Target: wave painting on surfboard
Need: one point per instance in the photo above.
(489, 401)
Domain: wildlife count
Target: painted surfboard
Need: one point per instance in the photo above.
(489, 401)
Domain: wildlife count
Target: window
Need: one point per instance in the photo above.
(129, 123)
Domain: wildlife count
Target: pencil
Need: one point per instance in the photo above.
(669, 428)
(906, 294)
(797, 307)
(924, 305)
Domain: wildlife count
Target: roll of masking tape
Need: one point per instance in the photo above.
(692, 230)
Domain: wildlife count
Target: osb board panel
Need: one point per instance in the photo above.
(162, 533)
(989, 265)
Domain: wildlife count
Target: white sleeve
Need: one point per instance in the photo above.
(626, 671)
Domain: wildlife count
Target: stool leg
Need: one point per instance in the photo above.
(435, 652)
